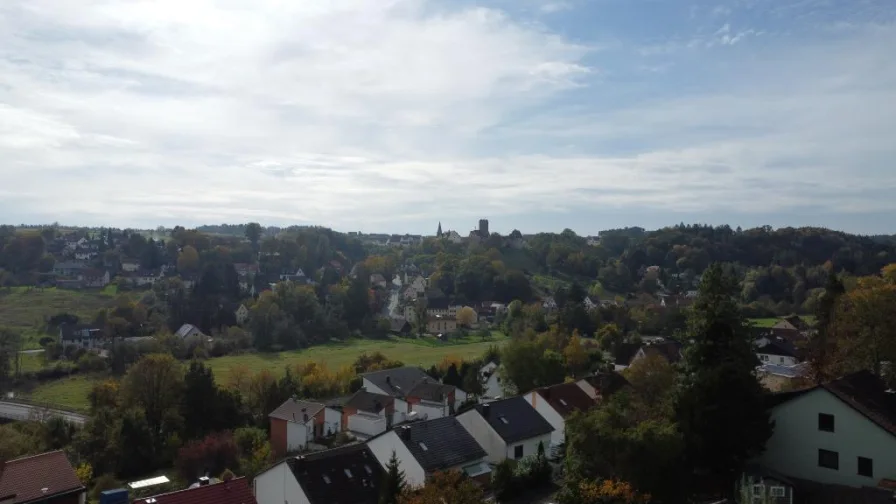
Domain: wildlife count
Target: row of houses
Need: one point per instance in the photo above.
(401, 412)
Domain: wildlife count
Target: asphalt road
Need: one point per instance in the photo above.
(18, 411)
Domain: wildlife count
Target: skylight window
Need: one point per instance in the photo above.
(327, 479)
(563, 402)
(423, 446)
(504, 420)
(368, 469)
(348, 473)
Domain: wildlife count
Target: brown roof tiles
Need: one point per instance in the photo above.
(38, 477)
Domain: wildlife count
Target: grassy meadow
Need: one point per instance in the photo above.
(24, 309)
(72, 392)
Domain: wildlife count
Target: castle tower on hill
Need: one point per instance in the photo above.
(439, 231)
(483, 228)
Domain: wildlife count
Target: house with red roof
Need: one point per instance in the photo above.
(48, 478)
(556, 403)
(234, 491)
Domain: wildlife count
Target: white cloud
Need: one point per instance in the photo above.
(368, 114)
(551, 7)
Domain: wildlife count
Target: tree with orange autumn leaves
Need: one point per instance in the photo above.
(444, 487)
(610, 491)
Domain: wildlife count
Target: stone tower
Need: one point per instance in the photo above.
(483, 228)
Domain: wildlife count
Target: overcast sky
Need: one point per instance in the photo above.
(393, 115)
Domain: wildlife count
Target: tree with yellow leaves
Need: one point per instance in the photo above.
(576, 356)
(610, 491)
(863, 326)
(466, 316)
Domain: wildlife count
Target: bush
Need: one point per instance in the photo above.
(211, 455)
(46, 340)
(90, 362)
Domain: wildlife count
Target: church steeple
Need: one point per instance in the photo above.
(439, 232)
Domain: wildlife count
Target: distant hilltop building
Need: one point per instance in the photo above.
(483, 228)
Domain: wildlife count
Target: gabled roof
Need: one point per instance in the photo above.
(624, 353)
(396, 382)
(440, 443)
(863, 391)
(431, 390)
(566, 398)
(779, 347)
(363, 400)
(514, 419)
(668, 349)
(235, 491)
(347, 475)
(27, 477)
(294, 410)
(607, 383)
(187, 330)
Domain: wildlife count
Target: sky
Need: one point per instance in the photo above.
(395, 115)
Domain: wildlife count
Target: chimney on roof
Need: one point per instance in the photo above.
(406, 433)
(388, 380)
(304, 417)
(485, 409)
(204, 481)
(546, 392)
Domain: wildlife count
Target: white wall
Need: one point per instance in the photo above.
(382, 448)
(485, 435)
(492, 387)
(793, 448)
(530, 446)
(429, 410)
(366, 424)
(332, 420)
(550, 414)
(459, 397)
(401, 411)
(780, 360)
(277, 485)
(298, 435)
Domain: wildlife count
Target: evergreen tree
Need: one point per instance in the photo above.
(720, 409)
(393, 482)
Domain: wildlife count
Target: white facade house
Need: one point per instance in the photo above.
(842, 432)
(491, 381)
(413, 391)
(346, 474)
(242, 314)
(507, 429)
(557, 403)
(426, 447)
(776, 351)
(130, 266)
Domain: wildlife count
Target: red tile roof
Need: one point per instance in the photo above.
(38, 477)
(566, 398)
(235, 491)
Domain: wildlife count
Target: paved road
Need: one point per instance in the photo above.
(18, 411)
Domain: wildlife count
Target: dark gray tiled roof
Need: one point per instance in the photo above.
(440, 443)
(514, 419)
(346, 475)
(363, 400)
(396, 382)
(293, 410)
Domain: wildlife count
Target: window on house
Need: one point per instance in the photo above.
(368, 469)
(348, 473)
(866, 467)
(781, 359)
(326, 479)
(757, 490)
(828, 459)
(518, 452)
(423, 446)
(825, 422)
(777, 491)
(563, 402)
(504, 420)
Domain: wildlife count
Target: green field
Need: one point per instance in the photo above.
(769, 322)
(25, 309)
(72, 392)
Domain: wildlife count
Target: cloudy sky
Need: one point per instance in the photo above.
(393, 115)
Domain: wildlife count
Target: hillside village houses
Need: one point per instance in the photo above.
(507, 429)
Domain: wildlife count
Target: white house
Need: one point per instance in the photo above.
(428, 446)
(130, 265)
(295, 423)
(242, 314)
(413, 390)
(507, 429)
(349, 473)
(549, 304)
(367, 414)
(558, 402)
(491, 381)
(83, 336)
(776, 351)
(842, 432)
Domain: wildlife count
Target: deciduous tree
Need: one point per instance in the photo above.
(450, 486)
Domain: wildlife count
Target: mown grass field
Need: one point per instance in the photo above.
(24, 309)
(72, 392)
(769, 322)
